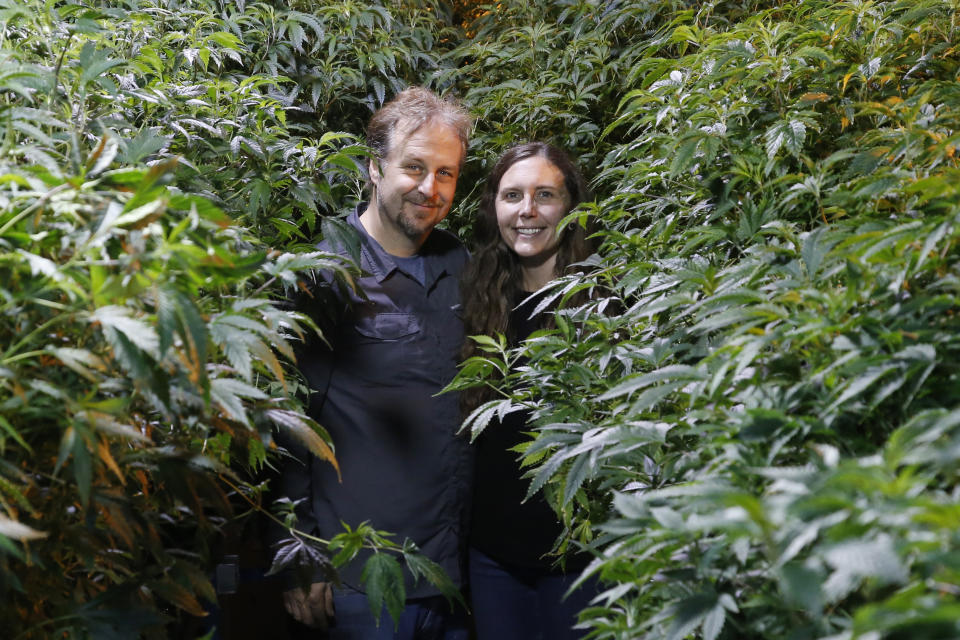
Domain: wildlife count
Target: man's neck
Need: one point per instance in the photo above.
(394, 243)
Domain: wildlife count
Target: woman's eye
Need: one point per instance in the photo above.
(511, 196)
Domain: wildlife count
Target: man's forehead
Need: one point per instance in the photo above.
(405, 131)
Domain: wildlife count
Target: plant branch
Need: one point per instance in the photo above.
(39, 203)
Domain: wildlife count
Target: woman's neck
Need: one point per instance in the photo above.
(536, 273)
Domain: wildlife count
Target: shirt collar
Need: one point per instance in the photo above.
(380, 264)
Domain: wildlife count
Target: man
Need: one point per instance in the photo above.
(391, 349)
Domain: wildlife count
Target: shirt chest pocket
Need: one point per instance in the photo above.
(387, 327)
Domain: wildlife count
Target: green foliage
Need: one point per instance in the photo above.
(752, 423)
(254, 98)
(133, 338)
(761, 440)
(145, 366)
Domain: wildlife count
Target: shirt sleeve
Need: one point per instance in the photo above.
(315, 361)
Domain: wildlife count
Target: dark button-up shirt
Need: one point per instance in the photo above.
(392, 348)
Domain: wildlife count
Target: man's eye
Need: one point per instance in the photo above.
(413, 168)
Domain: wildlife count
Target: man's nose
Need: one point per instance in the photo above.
(428, 186)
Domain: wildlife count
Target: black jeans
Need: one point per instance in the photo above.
(422, 619)
(515, 603)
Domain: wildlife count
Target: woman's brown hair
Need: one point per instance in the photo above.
(491, 282)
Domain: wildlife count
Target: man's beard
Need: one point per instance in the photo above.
(409, 225)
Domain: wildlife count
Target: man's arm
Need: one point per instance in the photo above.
(313, 605)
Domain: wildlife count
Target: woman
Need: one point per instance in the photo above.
(516, 588)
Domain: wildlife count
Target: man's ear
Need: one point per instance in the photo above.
(374, 168)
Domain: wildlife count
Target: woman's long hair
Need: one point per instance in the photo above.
(491, 282)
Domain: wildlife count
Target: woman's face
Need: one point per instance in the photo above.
(531, 200)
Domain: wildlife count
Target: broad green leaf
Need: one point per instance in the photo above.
(802, 586)
(421, 565)
(138, 332)
(690, 613)
(382, 578)
(670, 373)
(228, 394)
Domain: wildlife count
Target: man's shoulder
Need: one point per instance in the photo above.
(446, 247)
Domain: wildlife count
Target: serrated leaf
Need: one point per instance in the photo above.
(42, 266)
(227, 393)
(310, 434)
(690, 613)
(815, 249)
(855, 560)
(480, 417)
(580, 470)
(297, 553)
(713, 623)
(191, 327)
(420, 565)
(142, 215)
(668, 518)
(108, 424)
(801, 586)
(102, 156)
(861, 383)
(79, 360)
(789, 134)
(144, 144)
(669, 373)
(382, 578)
(177, 595)
(135, 330)
(683, 155)
(13, 433)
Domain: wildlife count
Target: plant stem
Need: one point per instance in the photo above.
(43, 327)
(23, 356)
(259, 508)
(39, 203)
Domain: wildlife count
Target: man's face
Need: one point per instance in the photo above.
(415, 183)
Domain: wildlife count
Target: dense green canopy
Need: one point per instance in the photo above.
(763, 440)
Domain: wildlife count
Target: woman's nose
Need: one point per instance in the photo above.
(527, 208)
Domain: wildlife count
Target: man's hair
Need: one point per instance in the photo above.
(410, 110)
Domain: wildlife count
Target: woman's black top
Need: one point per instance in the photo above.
(505, 527)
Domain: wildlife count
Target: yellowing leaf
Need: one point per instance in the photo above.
(103, 450)
(307, 432)
(120, 525)
(179, 596)
(814, 97)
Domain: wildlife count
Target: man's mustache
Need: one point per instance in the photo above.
(434, 202)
